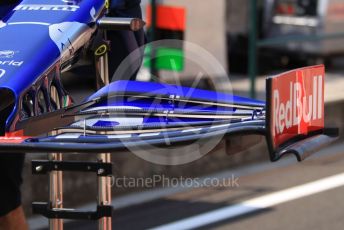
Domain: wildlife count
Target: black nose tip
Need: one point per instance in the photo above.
(7, 103)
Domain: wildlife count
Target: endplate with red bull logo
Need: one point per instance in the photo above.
(295, 110)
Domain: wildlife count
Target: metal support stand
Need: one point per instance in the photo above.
(54, 210)
(101, 72)
(104, 192)
(55, 166)
(56, 192)
(102, 61)
(104, 183)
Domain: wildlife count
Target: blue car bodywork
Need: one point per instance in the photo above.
(38, 40)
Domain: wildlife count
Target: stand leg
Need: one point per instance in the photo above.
(104, 192)
(56, 192)
(102, 69)
(104, 183)
(103, 72)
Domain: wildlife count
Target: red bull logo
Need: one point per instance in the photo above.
(297, 103)
(297, 108)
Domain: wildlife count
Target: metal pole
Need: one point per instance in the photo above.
(104, 183)
(104, 192)
(153, 69)
(102, 80)
(56, 192)
(252, 52)
(102, 70)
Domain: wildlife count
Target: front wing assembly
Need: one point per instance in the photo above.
(129, 114)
